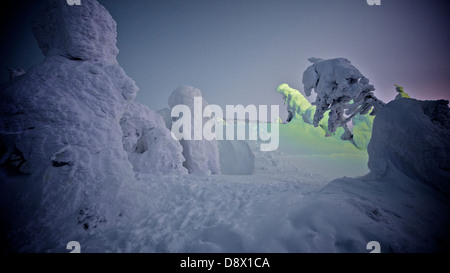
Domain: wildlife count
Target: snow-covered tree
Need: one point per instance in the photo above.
(342, 90)
(299, 107)
(401, 92)
(297, 104)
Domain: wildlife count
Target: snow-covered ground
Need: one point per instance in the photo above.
(287, 205)
(236, 213)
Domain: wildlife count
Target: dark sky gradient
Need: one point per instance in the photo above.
(239, 51)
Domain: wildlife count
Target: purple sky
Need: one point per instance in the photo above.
(239, 51)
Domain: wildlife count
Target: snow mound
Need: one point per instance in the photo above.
(402, 214)
(202, 156)
(79, 32)
(413, 137)
(149, 144)
(236, 157)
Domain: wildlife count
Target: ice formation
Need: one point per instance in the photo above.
(202, 156)
(341, 89)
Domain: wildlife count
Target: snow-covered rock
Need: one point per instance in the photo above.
(413, 137)
(202, 156)
(149, 144)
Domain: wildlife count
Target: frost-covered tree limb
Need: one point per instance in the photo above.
(342, 90)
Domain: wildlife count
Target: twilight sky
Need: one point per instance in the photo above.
(239, 51)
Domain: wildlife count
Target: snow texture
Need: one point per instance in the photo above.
(80, 32)
(413, 137)
(338, 83)
(149, 144)
(167, 118)
(202, 156)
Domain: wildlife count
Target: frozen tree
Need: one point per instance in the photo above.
(401, 92)
(297, 104)
(341, 90)
(202, 156)
(299, 107)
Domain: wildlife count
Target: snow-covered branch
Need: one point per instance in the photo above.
(342, 90)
